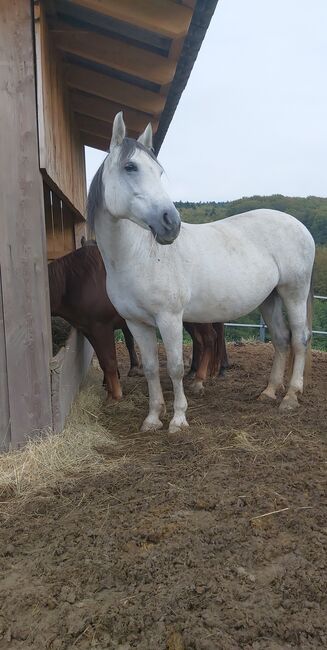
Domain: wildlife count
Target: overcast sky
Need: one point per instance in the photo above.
(253, 117)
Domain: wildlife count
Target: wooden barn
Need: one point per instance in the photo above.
(67, 67)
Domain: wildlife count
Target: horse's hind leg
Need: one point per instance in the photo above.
(297, 304)
(272, 313)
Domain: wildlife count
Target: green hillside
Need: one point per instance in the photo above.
(312, 211)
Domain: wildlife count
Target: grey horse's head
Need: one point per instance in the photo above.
(129, 186)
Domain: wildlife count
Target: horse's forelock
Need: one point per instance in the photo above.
(128, 148)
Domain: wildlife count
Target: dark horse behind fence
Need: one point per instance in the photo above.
(78, 294)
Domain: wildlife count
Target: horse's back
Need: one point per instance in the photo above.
(238, 261)
(254, 234)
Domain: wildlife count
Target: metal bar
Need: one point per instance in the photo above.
(262, 326)
(256, 326)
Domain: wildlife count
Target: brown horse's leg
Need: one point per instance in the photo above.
(197, 349)
(221, 354)
(135, 366)
(208, 355)
(103, 341)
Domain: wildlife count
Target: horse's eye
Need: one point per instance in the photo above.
(130, 167)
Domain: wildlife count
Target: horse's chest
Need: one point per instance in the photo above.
(139, 291)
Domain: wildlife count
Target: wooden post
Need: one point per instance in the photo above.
(22, 242)
(4, 398)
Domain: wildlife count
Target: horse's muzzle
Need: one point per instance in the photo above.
(167, 229)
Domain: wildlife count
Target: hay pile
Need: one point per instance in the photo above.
(55, 460)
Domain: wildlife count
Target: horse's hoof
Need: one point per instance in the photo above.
(135, 372)
(177, 424)
(267, 395)
(190, 374)
(289, 404)
(113, 399)
(197, 388)
(151, 425)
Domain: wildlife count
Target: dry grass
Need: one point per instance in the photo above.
(58, 459)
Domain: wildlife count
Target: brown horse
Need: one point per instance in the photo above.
(78, 294)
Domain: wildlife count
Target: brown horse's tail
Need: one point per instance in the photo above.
(308, 358)
(215, 361)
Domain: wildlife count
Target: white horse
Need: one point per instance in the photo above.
(211, 272)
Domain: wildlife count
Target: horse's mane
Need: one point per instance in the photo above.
(94, 198)
(95, 194)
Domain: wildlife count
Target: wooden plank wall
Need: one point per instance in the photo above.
(22, 242)
(60, 225)
(61, 151)
(68, 370)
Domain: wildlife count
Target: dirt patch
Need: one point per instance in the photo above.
(169, 550)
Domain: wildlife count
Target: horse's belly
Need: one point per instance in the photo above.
(224, 302)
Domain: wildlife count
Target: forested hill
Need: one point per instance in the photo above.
(312, 211)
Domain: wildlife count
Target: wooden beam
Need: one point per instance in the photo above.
(61, 153)
(100, 109)
(120, 92)
(95, 127)
(99, 128)
(161, 16)
(24, 275)
(114, 53)
(90, 140)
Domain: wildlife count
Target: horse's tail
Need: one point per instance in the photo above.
(215, 361)
(308, 359)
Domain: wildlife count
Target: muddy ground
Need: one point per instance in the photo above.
(213, 539)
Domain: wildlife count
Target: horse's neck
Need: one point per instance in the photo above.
(57, 284)
(121, 241)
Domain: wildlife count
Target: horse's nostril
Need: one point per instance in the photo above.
(166, 219)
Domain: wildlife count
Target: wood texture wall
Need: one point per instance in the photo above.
(61, 151)
(60, 225)
(25, 330)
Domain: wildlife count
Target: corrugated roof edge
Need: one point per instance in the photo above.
(200, 22)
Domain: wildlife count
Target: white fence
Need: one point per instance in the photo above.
(262, 326)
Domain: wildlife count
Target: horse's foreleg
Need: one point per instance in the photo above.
(103, 340)
(145, 337)
(210, 356)
(171, 330)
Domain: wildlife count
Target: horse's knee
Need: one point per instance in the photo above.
(150, 368)
(176, 371)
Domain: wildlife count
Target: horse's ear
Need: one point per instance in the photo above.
(118, 130)
(146, 137)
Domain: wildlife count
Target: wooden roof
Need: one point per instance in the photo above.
(134, 55)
